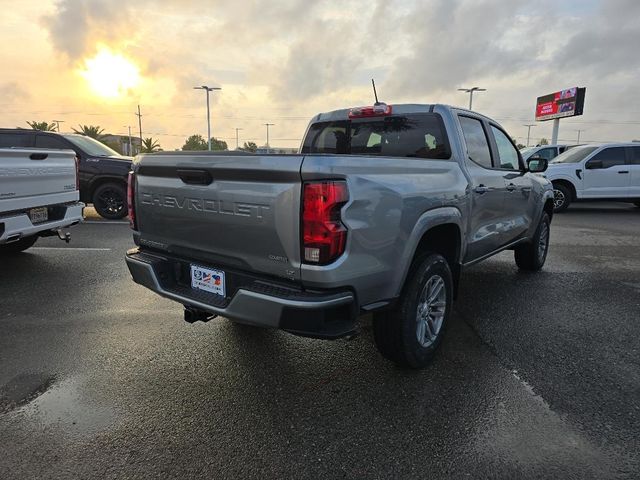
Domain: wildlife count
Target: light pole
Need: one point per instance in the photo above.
(237, 130)
(130, 145)
(529, 125)
(58, 122)
(208, 89)
(579, 135)
(268, 125)
(470, 92)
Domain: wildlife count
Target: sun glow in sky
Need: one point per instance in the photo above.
(110, 74)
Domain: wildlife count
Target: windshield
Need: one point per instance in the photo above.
(416, 135)
(527, 150)
(91, 146)
(574, 155)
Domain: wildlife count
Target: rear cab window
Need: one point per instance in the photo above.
(420, 135)
(8, 140)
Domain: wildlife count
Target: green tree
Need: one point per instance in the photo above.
(195, 142)
(544, 141)
(520, 146)
(149, 145)
(249, 147)
(44, 126)
(93, 131)
(218, 145)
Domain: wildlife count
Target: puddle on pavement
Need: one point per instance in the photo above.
(67, 405)
(23, 388)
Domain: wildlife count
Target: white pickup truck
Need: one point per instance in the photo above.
(38, 196)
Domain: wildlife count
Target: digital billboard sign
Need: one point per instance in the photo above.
(565, 103)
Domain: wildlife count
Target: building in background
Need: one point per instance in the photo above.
(120, 143)
(281, 150)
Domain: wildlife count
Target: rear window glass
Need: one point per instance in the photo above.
(416, 135)
(8, 140)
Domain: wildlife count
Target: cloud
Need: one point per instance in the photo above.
(10, 91)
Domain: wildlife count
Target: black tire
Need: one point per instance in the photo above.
(532, 255)
(110, 201)
(396, 332)
(562, 197)
(19, 246)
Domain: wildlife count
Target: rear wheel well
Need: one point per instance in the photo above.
(445, 240)
(102, 181)
(567, 184)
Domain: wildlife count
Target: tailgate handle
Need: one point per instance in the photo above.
(38, 156)
(195, 177)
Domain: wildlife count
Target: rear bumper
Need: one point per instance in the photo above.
(18, 225)
(313, 314)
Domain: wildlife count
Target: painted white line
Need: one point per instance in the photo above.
(86, 249)
(105, 222)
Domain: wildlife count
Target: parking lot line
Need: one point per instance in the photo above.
(106, 222)
(88, 249)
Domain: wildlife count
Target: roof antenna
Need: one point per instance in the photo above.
(375, 94)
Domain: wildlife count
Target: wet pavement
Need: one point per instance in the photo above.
(538, 376)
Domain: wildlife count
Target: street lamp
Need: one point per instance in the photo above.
(529, 125)
(208, 89)
(470, 92)
(268, 125)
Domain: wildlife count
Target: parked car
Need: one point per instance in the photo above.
(545, 151)
(380, 212)
(38, 196)
(103, 172)
(607, 171)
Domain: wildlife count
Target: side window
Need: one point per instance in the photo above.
(507, 152)
(609, 157)
(635, 155)
(49, 141)
(8, 140)
(476, 140)
(548, 153)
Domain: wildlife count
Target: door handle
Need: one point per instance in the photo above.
(511, 187)
(195, 177)
(480, 189)
(623, 171)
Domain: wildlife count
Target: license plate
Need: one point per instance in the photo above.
(38, 215)
(207, 279)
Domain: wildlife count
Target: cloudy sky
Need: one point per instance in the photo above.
(93, 61)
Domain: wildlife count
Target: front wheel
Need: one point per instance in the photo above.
(410, 334)
(18, 246)
(110, 201)
(532, 255)
(561, 198)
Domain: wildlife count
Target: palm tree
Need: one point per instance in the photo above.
(149, 145)
(44, 126)
(93, 131)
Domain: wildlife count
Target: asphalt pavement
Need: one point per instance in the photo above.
(538, 377)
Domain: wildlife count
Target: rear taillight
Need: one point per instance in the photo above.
(131, 199)
(323, 234)
(77, 160)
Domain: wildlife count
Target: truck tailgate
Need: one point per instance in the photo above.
(36, 177)
(224, 210)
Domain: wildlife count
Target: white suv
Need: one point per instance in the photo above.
(607, 171)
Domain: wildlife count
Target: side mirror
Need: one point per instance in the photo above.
(537, 164)
(593, 164)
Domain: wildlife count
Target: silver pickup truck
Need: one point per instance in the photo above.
(38, 196)
(379, 212)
